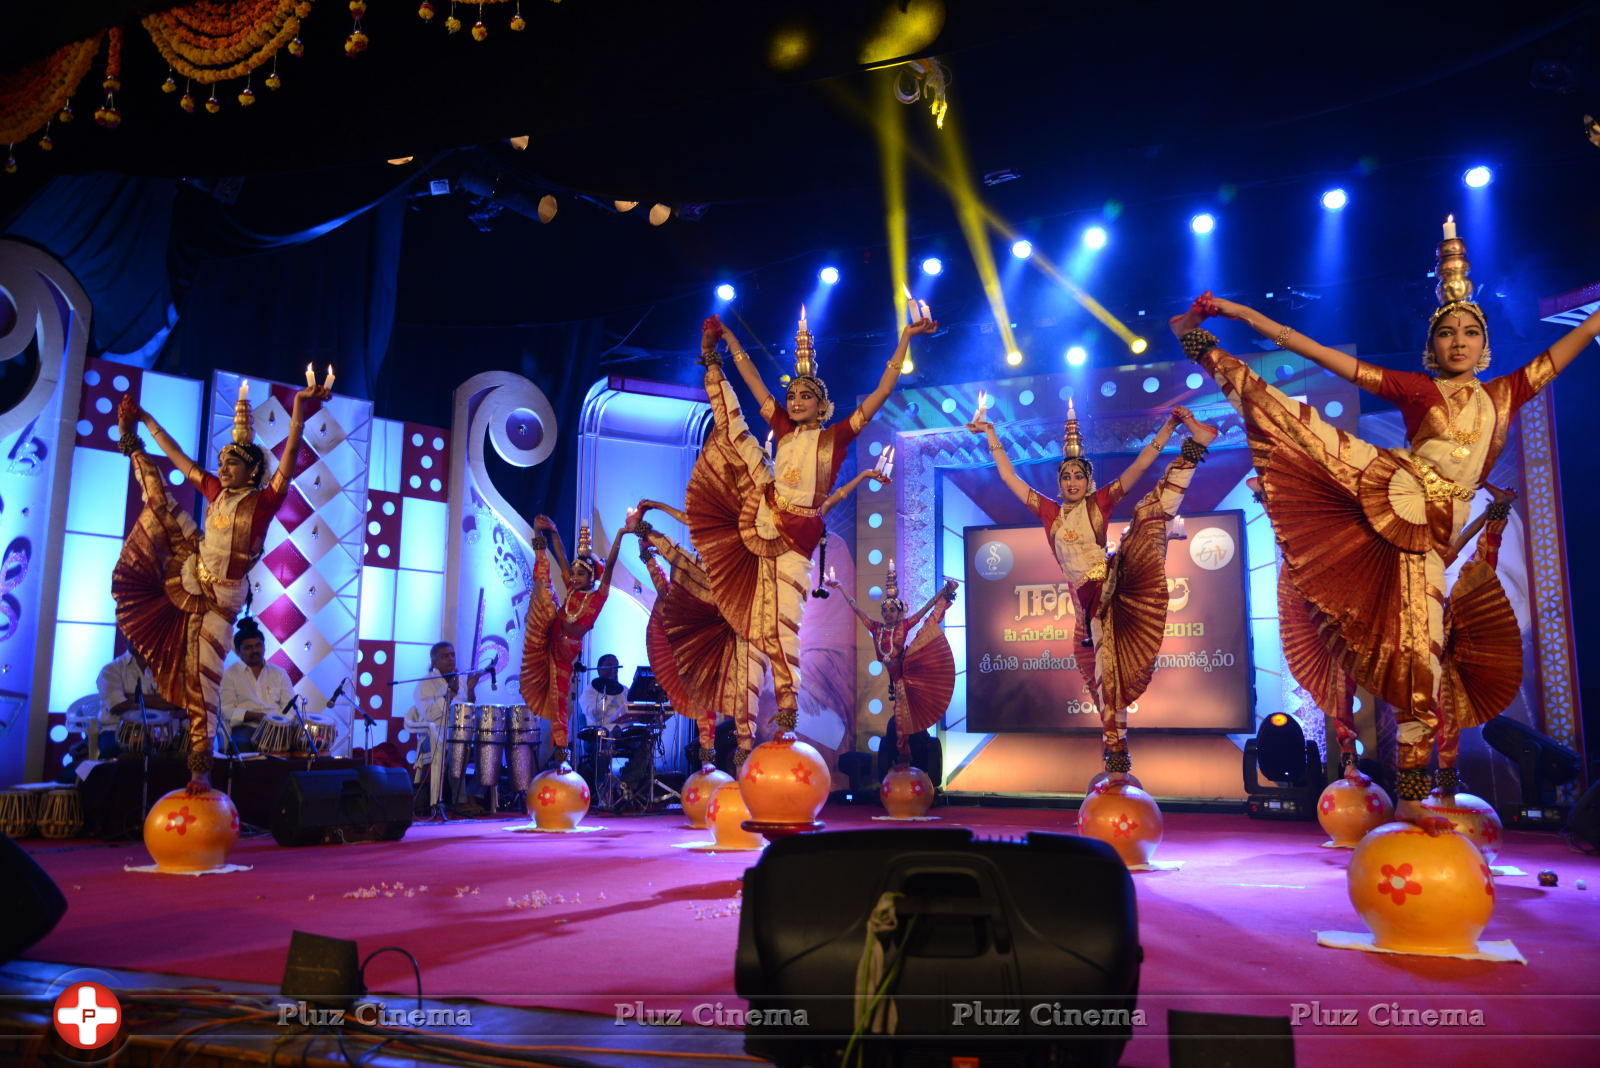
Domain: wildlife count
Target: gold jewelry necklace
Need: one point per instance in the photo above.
(1464, 439)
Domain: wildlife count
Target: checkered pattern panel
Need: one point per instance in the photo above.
(307, 583)
(405, 532)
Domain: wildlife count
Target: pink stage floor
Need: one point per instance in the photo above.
(588, 921)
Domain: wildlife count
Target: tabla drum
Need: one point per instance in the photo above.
(523, 727)
(275, 734)
(61, 813)
(18, 812)
(458, 736)
(491, 742)
(323, 729)
(134, 736)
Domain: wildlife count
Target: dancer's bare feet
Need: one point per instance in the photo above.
(199, 783)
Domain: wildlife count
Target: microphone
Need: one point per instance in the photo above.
(494, 675)
(337, 691)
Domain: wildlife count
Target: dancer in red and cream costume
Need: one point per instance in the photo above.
(178, 589)
(1341, 507)
(921, 670)
(755, 522)
(553, 636)
(703, 664)
(1121, 596)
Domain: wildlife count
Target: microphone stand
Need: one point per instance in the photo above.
(149, 742)
(305, 735)
(230, 750)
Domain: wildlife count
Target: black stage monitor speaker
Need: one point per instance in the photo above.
(1220, 1040)
(1013, 953)
(359, 805)
(1583, 826)
(29, 897)
(322, 969)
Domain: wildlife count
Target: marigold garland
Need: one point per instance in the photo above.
(35, 93)
(210, 41)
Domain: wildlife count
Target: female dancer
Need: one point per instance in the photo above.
(1121, 597)
(756, 523)
(553, 636)
(178, 590)
(1367, 533)
(921, 670)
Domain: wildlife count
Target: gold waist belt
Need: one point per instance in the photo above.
(784, 504)
(203, 572)
(1097, 573)
(1435, 487)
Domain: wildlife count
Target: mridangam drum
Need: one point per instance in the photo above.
(458, 736)
(524, 737)
(491, 742)
(61, 813)
(323, 729)
(18, 812)
(275, 734)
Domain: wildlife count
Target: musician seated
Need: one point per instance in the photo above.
(605, 700)
(437, 692)
(251, 687)
(119, 684)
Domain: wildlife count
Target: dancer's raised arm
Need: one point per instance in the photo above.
(129, 412)
(1147, 455)
(892, 370)
(1008, 473)
(741, 360)
(297, 425)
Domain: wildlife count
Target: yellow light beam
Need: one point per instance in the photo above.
(970, 213)
(951, 183)
(891, 151)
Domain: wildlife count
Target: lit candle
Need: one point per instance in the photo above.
(327, 383)
(1449, 227)
(244, 389)
(802, 318)
(768, 446)
(1178, 529)
(922, 304)
(983, 404)
(833, 574)
(311, 377)
(911, 304)
(1072, 412)
(888, 468)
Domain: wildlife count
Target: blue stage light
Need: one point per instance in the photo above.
(1478, 177)
(1335, 199)
(1076, 356)
(1022, 249)
(829, 276)
(725, 292)
(1203, 223)
(932, 265)
(1095, 237)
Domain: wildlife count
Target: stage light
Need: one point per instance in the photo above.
(1335, 199)
(1478, 177)
(1014, 358)
(1076, 356)
(1203, 223)
(1095, 237)
(547, 208)
(829, 276)
(624, 206)
(725, 292)
(933, 265)
(1280, 753)
(1542, 765)
(1138, 345)
(1022, 249)
(400, 161)
(659, 214)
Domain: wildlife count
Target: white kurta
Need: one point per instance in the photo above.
(243, 691)
(117, 682)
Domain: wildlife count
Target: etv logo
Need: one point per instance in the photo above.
(87, 1015)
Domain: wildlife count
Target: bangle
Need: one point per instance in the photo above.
(1283, 335)
(130, 443)
(1498, 510)
(739, 354)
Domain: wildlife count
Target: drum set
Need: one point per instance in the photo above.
(490, 737)
(633, 742)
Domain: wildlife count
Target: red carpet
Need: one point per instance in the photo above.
(619, 915)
